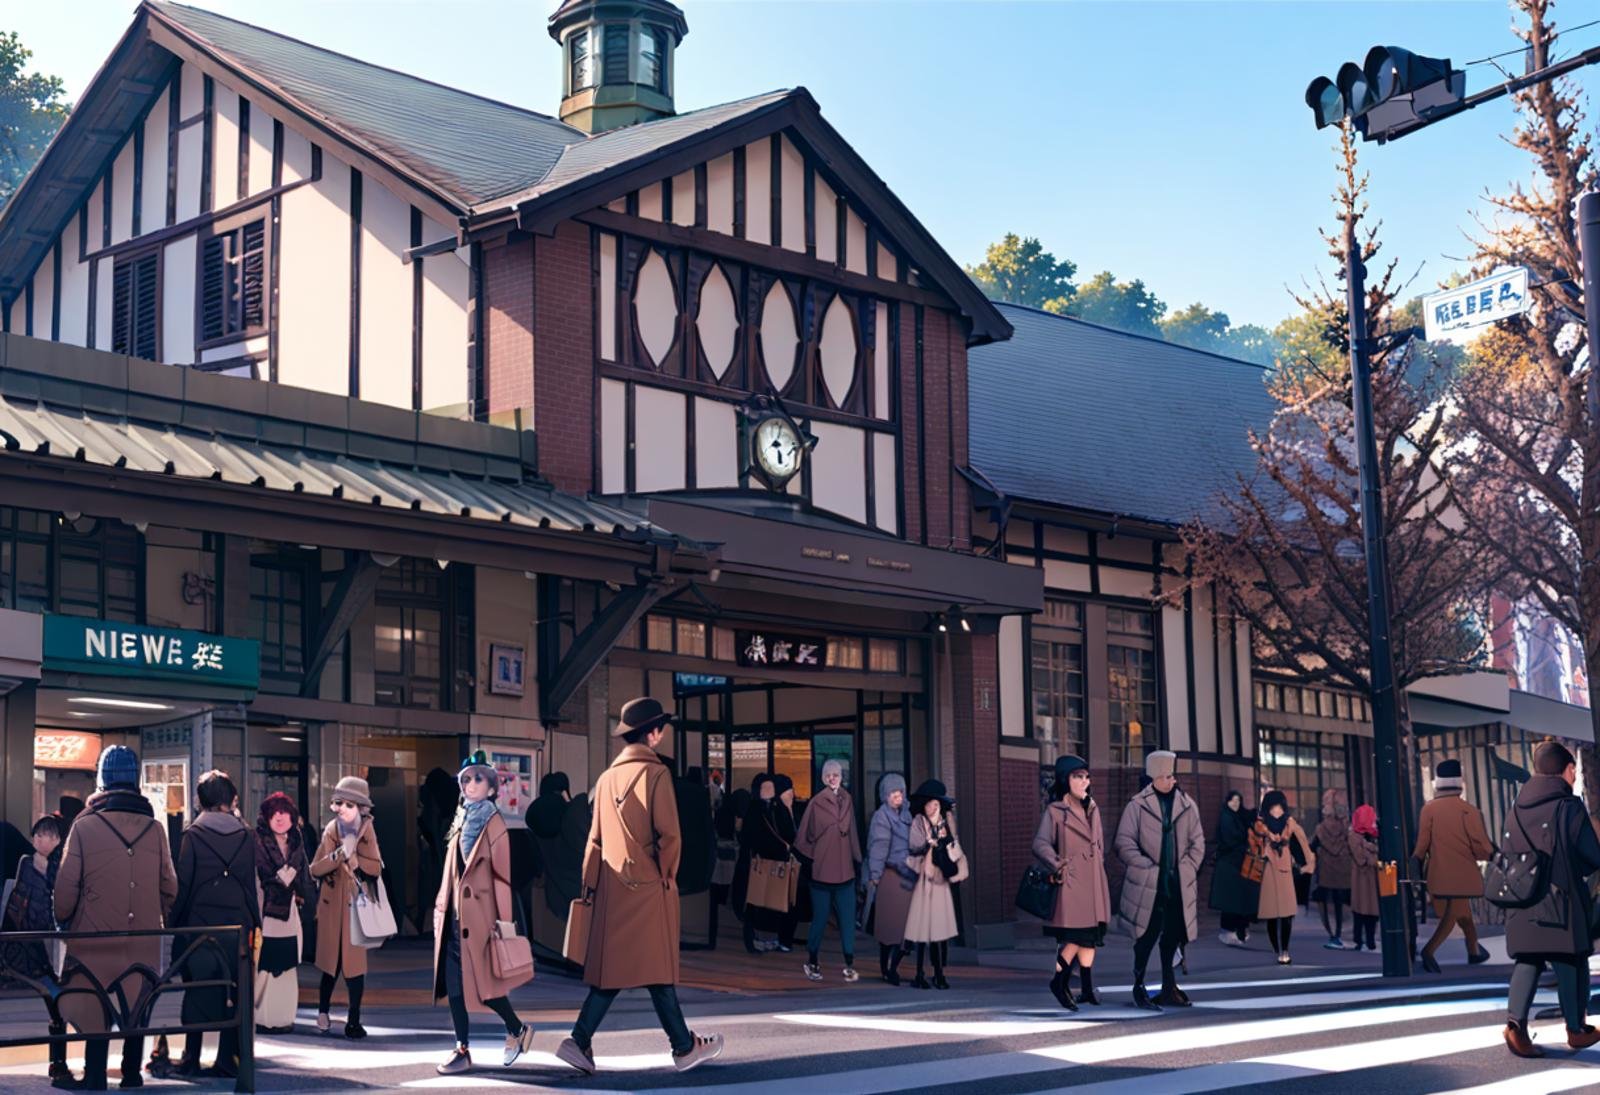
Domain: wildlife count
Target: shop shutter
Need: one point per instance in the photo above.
(134, 314)
(233, 282)
(253, 274)
(213, 288)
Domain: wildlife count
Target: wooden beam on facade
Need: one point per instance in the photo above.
(355, 587)
(592, 645)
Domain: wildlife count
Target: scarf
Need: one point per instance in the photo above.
(1276, 825)
(471, 817)
(348, 830)
(1365, 822)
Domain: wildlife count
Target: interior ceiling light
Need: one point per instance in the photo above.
(131, 705)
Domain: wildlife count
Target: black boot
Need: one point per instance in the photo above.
(1141, 998)
(921, 980)
(889, 962)
(1086, 993)
(1171, 996)
(1059, 988)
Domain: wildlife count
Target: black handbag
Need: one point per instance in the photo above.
(1517, 880)
(1037, 892)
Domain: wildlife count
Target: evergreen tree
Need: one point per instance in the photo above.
(31, 110)
(1020, 271)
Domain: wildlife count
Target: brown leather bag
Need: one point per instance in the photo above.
(510, 954)
(1254, 866)
(580, 918)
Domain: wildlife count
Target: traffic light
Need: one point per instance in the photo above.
(1392, 89)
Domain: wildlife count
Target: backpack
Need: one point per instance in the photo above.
(1517, 880)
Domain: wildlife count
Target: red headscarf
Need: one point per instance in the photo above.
(1365, 821)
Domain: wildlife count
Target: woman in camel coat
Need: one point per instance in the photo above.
(1279, 903)
(1071, 843)
(931, 919)
(474, 895)
(349, 850)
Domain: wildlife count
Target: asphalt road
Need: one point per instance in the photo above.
(1327, 1024)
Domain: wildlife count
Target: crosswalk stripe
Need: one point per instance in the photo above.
(1355, 997)
(1564, 1078)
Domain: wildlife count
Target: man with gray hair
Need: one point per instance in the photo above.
(828, 838)
(1161, 842)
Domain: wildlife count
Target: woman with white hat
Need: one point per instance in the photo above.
(348, 856)
(828, 838)
(473, 910)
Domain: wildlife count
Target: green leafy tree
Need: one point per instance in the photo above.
(31, 110)
(1019, 270)
(1250, 342)
(1125, 305)
(1197, 326)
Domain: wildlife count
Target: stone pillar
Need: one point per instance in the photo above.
(975, 732)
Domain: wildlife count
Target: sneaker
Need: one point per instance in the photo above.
(576, 1056)
(1334, 943)
(460, 1061)
(1228, 939)
(850, 975)
(518, 1044)
(702, 1050)
(812, 972)
(781, 948)
(766, 945)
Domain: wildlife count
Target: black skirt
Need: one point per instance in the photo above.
(1079, 937)
(279, 955)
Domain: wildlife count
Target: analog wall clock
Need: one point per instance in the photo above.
(775, 446)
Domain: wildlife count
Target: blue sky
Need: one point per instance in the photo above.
(1167, 141)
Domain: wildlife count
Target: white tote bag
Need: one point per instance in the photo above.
(371, 919)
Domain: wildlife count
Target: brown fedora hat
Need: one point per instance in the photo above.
(644, 713)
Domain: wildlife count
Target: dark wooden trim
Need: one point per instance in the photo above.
(1094, 563)
(196, 224)
(775, 180)
(738, 192)
(897, 419)
(5, 315)
(416, 312)
(138, 177)
(811, 210)
(94, 299)
(208, 132)
(691, 473)
(27, 308)
(666, 199)
(869, 462)
(841, 225)
(722, 393)
(174, 104)
(872, 250)
(316, 162)
(701, 199)
(630, 203)
(1216, 668)
(244, 148)
(770, 258)
(1238, 714)
(355, 283)
(83, 232)
(105, 203)
(277, 222)
(222, 224)
(55, 292)
(922, 438)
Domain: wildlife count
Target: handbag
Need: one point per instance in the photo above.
(1517, 880)
(963, 868)
(1037, 892)
(371, 918)
(510, 954)
(580, 918)
(774, 883)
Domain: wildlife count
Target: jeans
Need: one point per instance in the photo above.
(840, 897)
(1572, 988)
(455, 993)
(665, 999)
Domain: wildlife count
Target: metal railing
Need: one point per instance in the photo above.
(133, 1016)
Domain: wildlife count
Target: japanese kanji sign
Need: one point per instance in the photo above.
(1455, 314)
(74, 644)
(66, 749)
(779, 650)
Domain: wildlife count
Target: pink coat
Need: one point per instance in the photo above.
(1073, 845)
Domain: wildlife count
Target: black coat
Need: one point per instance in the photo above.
(699, 843)
(216, 886)
(277, 900)
(1556, 822)
(1230, 892)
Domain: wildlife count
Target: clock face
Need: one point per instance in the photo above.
(777, 449)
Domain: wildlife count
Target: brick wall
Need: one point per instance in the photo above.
(974, 661)
(961, 531)
(564, 358)
(508, 325)
(936, 424)
(1019, 819)
(910, 450)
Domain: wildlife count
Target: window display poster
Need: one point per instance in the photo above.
(516, 770)
(826, 747)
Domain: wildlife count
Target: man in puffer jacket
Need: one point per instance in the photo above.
(1161, 842)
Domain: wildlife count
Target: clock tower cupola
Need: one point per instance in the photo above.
(617, 60)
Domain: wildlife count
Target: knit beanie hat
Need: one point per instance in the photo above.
(1447, 776)
(1065, 766)
(118, 768)
(1551, 758)
(1161, 763)
(889, 783)
(832, 764)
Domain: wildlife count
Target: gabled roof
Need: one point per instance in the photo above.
(477, 159)
(1084, 417)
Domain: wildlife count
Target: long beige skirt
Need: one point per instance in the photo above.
(278, 997)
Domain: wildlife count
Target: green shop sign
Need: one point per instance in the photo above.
(74, 644)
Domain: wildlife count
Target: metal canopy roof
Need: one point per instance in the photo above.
(107, 410)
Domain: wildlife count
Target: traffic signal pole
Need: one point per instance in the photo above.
(1385, 702)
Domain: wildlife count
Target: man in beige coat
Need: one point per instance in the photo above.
(630, 876)
(1452, 839)
(116, 875)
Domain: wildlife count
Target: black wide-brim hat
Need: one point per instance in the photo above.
(644, 713)
(930, 789)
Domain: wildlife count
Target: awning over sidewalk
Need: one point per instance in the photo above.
(112, 411)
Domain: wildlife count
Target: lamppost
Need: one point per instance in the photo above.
(1393, 93)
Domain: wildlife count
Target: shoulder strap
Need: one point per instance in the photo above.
(126, 843)
(620, 799)
(249, 892)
